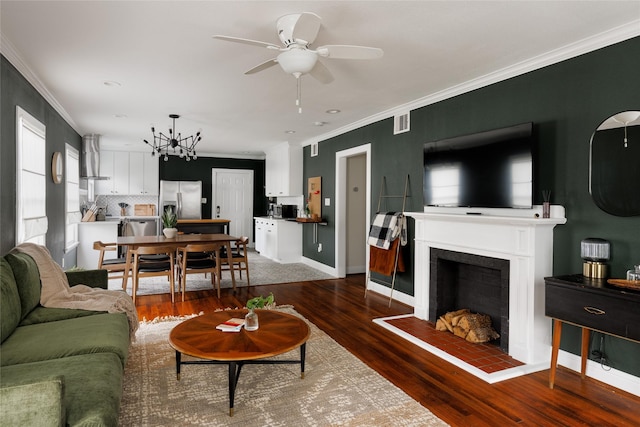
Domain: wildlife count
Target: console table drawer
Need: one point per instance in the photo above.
(601, 312)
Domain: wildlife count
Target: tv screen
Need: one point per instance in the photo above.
(492, 169)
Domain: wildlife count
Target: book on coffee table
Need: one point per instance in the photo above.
(232, 325)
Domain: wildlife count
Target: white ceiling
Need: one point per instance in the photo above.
(165, 60)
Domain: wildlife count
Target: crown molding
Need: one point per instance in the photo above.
(572, 50)
(9, 51)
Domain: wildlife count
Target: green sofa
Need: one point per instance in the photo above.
(57, 366)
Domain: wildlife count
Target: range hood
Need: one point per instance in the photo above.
(91, 157)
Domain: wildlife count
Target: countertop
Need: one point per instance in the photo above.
(132, 217)
(204, 221)
(274, 219)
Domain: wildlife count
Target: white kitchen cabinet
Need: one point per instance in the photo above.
(259, 235)
(151, 182)
(143, 174)
(89, 232)
(115, 165)
(279, 240)
(283, 170)
(130, 173)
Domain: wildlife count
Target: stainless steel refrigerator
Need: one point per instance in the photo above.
(185, 197)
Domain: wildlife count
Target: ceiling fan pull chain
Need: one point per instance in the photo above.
(299, 94)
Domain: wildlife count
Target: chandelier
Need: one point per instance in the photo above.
(184, 147)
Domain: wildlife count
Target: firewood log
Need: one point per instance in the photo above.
(482, 335)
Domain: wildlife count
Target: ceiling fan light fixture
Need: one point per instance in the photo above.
(297, 61)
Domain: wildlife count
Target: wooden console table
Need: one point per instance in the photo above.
(591, 304)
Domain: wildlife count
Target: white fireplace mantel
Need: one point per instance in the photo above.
(523, 238)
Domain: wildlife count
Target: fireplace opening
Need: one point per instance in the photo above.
(461, 280)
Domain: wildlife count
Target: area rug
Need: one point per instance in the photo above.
(262, 271)
(338, 389)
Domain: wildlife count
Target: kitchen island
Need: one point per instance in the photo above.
(204, 226)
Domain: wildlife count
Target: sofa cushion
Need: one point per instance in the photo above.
(91, 278)
(83, 335)
(27, 277)
(42, 314)
(34, 404)
(9, 301)
(92, 385)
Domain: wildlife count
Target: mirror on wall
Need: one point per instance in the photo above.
(614, 164)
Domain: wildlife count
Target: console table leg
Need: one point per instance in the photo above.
(557, 333)
(584, 355)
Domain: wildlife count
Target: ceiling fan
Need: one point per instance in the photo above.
(297, 32)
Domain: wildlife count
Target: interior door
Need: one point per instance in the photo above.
(232, 199)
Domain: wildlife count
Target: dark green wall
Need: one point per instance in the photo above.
(566, 102)
(177, 169)
(17, 91)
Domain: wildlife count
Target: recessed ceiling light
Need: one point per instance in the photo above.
(320, 123)
(333, 111)
(289, 131)
(111, 83)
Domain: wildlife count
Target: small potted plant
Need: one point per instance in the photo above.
(251, 319)
(169, 221)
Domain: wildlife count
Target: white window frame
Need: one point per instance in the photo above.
(31, 189)
(72, 197)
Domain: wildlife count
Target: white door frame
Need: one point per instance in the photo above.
(341, 205)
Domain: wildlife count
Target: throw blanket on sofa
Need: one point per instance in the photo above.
(57, 293)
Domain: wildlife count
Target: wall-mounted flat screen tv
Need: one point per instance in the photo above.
(492, 169)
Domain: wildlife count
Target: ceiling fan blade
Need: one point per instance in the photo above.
(247, 41)
(263, 66)
(306, 27)
(337, 51)
(321, 73)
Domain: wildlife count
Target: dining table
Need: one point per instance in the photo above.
(181, 240)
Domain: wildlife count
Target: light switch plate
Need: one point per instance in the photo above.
(327, 201)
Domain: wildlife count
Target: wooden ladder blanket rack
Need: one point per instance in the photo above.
(396, 243)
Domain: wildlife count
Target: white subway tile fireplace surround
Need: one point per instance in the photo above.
(523, 238)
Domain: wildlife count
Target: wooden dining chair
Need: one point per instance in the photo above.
(143, 268)
(115, 266)
(239, 258)
(191, 260)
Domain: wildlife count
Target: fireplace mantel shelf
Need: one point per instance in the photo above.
(487, 219)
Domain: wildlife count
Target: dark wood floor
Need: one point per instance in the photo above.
(459, 398)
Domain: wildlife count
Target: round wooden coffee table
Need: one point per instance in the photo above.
(278, 333)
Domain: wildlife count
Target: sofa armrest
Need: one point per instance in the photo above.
(92, 278)
(34, 404)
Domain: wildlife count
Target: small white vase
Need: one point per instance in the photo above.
(251, 321)
(170, 233)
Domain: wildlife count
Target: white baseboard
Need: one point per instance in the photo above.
(319, 266)
(358, 269)
(386, 291)
(613, 377)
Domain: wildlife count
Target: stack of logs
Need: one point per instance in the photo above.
(473, 327)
